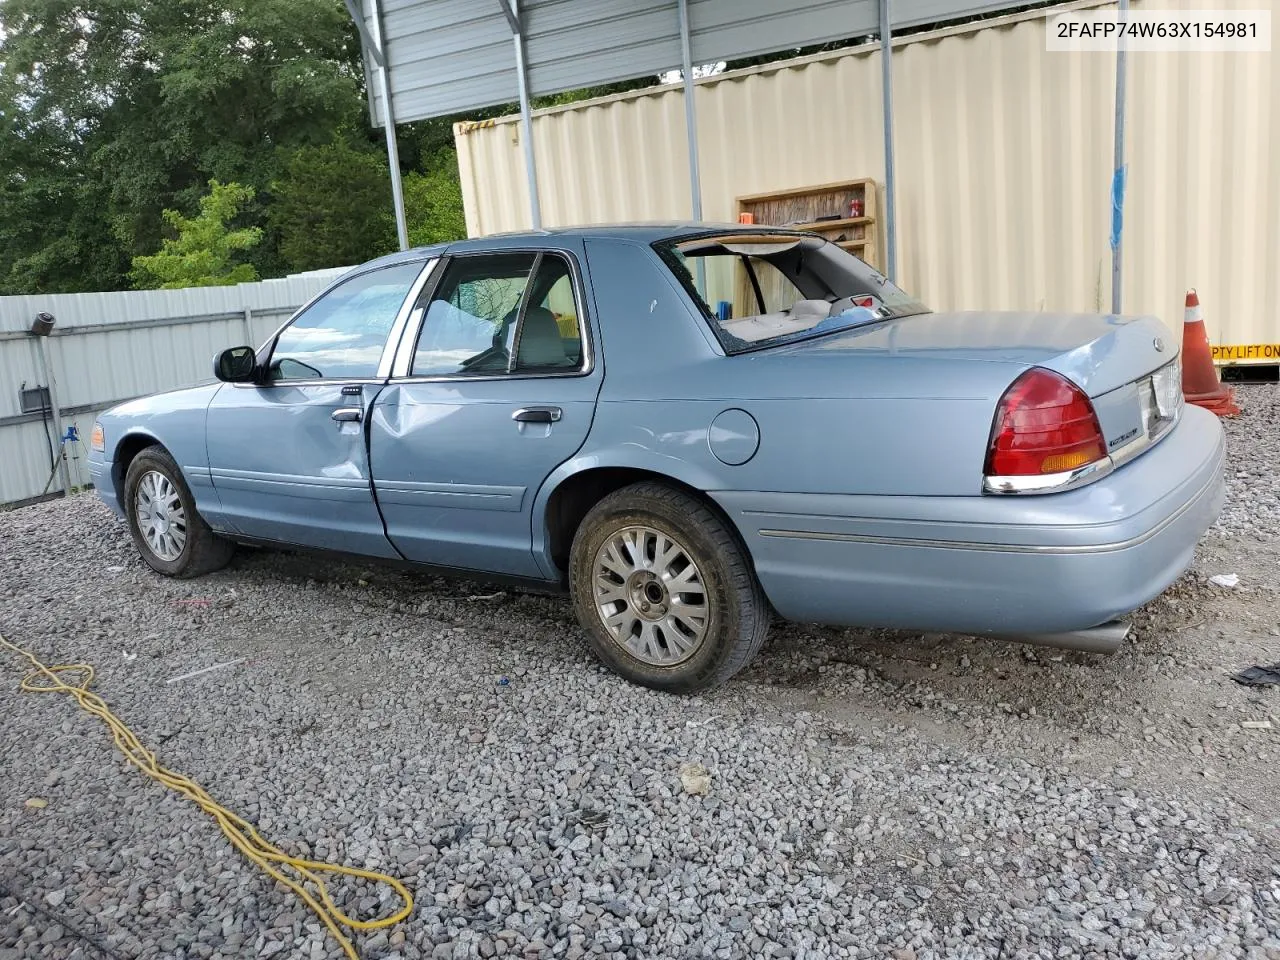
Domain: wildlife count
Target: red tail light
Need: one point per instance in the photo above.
(1044, 424)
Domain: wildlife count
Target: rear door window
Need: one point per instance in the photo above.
(502, 313)
(470, 320)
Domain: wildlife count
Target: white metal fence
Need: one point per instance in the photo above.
(111, 347)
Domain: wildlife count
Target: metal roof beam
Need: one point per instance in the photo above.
(362, 28)
(513, 16)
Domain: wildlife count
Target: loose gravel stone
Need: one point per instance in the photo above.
(867, 793)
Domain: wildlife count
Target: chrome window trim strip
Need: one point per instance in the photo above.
(482, 378)
(310, 382)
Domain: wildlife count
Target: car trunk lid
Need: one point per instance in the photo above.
(1125, 365)
(1098, 353)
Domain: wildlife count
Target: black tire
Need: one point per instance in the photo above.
(203, 550)
(736, 610)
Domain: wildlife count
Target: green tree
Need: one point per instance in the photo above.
(331, 207)
(112, 111)
(52, 234)
(204, 253)
(433, 201)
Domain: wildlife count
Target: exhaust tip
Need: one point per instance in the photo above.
(1105, 638)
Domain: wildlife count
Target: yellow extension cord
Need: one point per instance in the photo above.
(241, 833)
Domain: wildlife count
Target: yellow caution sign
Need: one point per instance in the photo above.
(1248, 351)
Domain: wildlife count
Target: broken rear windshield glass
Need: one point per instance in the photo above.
(759, 290)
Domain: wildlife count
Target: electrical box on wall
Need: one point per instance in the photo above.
(34, 399)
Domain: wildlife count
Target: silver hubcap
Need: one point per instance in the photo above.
(161, 519)
(650, 596)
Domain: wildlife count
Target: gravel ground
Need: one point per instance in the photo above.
(871, 794)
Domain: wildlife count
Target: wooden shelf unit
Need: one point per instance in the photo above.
(797, 208)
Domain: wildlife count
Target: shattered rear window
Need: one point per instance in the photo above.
(761, 289)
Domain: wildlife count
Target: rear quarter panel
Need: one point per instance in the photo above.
(835, 422)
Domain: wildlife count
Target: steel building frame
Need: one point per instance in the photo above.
(586, 42)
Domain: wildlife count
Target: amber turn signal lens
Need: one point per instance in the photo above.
(1062, 462)
(97, 439)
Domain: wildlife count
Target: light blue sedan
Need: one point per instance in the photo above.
(690, 428)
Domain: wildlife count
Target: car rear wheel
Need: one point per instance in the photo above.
(665, 591)
(172, 538)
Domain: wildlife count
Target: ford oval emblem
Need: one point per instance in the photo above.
(1158, 344)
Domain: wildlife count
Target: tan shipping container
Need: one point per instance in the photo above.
(1004, 166)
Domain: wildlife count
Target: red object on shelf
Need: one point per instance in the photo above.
(856, 208)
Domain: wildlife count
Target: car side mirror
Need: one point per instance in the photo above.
(236, 365)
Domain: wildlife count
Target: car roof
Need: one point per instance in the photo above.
(636, 232)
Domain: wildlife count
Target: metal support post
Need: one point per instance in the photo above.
(890, 200)
(46, 368)
(690, 110)
(1118, 178)
(512, 9)
(389, 123)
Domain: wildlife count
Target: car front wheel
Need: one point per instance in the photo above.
(665, 591)
(172, 538)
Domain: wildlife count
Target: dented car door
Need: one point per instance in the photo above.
(494, 386)
(287, 452)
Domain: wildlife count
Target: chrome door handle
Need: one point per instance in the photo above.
(347, 415)
(537, 415)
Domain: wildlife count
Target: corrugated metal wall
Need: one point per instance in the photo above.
(1004, 155)
(109, 347)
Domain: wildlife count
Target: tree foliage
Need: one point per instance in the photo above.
(116, 114)
(332, 206)
(206, 251)
(112, 111)
(433, 201)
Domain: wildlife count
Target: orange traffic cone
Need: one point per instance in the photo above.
(1200, 383)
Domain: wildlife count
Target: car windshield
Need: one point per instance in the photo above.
(760, 290)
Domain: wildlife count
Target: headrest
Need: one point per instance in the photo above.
(540, 342)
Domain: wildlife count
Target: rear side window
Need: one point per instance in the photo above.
(550, 338)
(760, 290)
(342, 334)
(502, 313)
(470, 320)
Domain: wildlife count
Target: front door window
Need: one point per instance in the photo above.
(341, 336)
